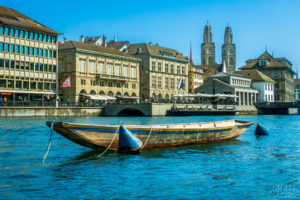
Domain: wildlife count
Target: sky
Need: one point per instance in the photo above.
(257, 25)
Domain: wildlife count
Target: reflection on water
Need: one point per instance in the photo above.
(249, 167)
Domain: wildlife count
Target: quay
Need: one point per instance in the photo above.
(279, 108)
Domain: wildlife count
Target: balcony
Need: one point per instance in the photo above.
(111, 77)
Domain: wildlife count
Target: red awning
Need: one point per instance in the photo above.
(5, 93)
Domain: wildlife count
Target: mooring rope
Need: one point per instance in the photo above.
(49, 144)
(109, 144)
(147, 138)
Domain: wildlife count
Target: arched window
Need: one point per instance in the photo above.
(133, 95)
(126, 94)
(110, 93)
(159, 96)
(92, 92)
(119, 94)
(153, 95)
(82, 92)
(203, 61)
(167, 96)
(102, 92)
(231, 61)
(210, 60)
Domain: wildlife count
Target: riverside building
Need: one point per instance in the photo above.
(95, 70)
(164, 71)
(28, 58)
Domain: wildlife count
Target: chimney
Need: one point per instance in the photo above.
(115, 38)
(81, 39)
(104, 41)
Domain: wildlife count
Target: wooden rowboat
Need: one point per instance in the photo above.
(152, 136)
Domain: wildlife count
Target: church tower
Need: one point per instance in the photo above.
(207, 47)
(228, 50)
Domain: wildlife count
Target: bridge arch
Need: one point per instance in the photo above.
(131, 112)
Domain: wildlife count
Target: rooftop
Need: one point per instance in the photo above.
(13, 18)
(92, 47)
(255, 75)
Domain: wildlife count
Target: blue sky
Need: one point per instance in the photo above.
(256, 24)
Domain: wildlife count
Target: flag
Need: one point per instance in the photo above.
(67, 82)
(181, 85)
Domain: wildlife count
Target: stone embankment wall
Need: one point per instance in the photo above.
(48, 112)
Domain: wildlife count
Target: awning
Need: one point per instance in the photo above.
(98, 97)
(127, 97)
(25, 92)
(206, 95)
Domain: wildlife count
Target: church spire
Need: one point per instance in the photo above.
(228, 50)
(207, 47)
(191, 56)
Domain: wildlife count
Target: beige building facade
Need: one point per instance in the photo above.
(97, 70)
(164, 71)
(278, 69)
(195, 77)
(28, 58)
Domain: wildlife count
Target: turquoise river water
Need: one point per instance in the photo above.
(249, 167)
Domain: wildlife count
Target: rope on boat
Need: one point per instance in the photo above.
(109, 144)
(147, 138)
(49, 144)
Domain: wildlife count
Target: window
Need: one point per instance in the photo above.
(36, 67)
(12, 64)
(26, 34)
(101, 69)
(178, 69)
(119, 85)
(49, 38)
(19, 84)
(31, 35)
(32, 66)
(1, 46)
(166, 68)
(33, 85)
(50, 68)
(26, 50)
(118, 73)
(166, 83)
(92, 67)
(159, 67)
(12, 32)
(125, 71)
(17, 65)
(22, 49)
(36, 36)
(133, 86)
(153, 66)
(263, 62)
(153, 81)
(36, 51)
(40, 86)
(12, 48)
(10, 84)
(6, 47)
(102, 83)
(133, 72)
(41, 52)
(109, 69)
(26, 85)
(54, 54)
(110, 84)
(54, 39)
(1, 30)
(17, 50)
(2, 83)
(49, 54)
(7, 63)
(82, 66)
(276, 74)
(54, 68)
(172, 68)
(6, 31)
(41, 67)
(31, 50)
(41, 37)
(183, 69)
(159, 82)
(172, 82)
(22, 34)
(126, 86)
(82, 82)
(46, 68)
(45, 52)
(45, 38)
(1, 63)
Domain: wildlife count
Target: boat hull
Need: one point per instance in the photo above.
(153, 136)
